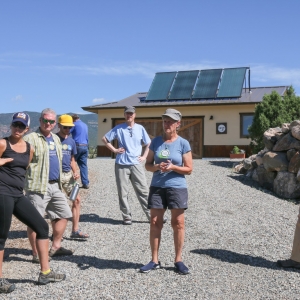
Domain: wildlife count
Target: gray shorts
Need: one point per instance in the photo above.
(67, 182)
(171, 198)
(54, 202)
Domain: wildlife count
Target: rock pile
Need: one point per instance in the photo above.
(277, 166)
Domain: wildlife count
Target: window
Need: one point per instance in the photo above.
(246, 120)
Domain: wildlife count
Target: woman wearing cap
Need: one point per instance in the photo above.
(170, 159)
(15, 155)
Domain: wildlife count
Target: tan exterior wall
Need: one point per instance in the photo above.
(220, 113)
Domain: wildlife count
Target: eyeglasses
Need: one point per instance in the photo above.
(67, 127)
(18, 125)
(48, 121)
(130, 131)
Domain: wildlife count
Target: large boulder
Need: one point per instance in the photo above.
(296, 132)
(264, 177)
(254, 175)
(294, 123)
(287, 142)
(247, 163)
(286, 185)
(270, 137)
(275, 161)
(294, 164)
(285, 127)
(290, 153)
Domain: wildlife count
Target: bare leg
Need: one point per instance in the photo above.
(1, 261)
(177, 223)
(42, 248)
(58, 226)
(32, 239)
(76, 214)
(156, 225)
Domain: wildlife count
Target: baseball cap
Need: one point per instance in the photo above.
(173, 114)
(66, 120)
(21, 117)
(130, 109)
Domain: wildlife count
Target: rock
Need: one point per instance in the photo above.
(264, 177)
(287, 142)
(294, 123)
(298, 175)
(296, 132)
(294, 164)
(254, 164)
(285, 127)
(259, 156)
(290, 153)
(239, 168)
(247, 163)
(254, 175)
(275, 161)
(286, 185)
(270, 138)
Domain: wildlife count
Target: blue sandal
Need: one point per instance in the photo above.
(79, 235)
(181, 268)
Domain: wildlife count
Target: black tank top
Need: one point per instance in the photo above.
(12, 174)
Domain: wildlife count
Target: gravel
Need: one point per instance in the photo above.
(235, 233)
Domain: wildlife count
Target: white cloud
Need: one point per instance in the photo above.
(18, 98)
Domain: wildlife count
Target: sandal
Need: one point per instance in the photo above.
(79, 235)
(181, 268)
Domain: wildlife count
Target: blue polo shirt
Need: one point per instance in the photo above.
(131, 139)
(80, 132)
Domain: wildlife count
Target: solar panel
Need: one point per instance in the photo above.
(183, 85)
(232, 83)
(207, 84)
(160, 86)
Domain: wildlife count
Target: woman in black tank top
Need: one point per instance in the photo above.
(15, 156)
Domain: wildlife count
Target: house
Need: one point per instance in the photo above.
(212, 125)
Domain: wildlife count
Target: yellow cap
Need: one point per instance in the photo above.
(66, 120)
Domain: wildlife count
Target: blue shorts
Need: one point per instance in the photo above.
(171, 198)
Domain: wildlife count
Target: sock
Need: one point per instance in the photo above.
(46, 272)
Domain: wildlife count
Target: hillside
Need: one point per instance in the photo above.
(90, 119)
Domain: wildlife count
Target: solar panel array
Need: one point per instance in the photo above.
(197, 84)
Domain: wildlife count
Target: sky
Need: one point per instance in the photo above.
(69, 54)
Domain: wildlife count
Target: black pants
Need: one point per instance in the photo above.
(22, 209)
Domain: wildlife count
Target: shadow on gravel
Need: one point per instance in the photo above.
(93, 218)
(17, 234)
(15, 251)
(85, 262)
(224, 164)
(237, 258)
(23, 281)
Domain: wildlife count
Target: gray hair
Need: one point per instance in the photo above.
(47, 111)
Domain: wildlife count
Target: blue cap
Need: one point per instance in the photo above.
(21, 117)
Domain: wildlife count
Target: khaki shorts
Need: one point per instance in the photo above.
(67, 182)
(54, 202)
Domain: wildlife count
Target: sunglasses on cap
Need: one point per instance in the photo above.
(18, 125)
(48, 121)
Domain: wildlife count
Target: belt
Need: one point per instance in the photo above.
(53, 181)
(81, 144)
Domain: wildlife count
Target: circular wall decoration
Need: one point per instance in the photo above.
(221, 128)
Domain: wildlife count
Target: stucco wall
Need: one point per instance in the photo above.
(220, 113)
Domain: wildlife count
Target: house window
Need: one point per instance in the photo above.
(246, 120)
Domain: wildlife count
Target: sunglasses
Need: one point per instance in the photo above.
(48, 121)
(67, 127)
(18, 125)
(130, 131)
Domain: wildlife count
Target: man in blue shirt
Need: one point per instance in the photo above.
(80, 136)
(69, 170)
(129, 161)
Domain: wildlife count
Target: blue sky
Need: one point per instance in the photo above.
(69, 54)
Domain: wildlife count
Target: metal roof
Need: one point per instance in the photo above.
(137, 100)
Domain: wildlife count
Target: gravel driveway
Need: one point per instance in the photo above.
(235, 232)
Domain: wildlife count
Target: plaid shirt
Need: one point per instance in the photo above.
(37, 175)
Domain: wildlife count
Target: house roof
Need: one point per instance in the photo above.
(138, 100)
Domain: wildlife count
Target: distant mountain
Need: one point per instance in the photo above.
(90, 119)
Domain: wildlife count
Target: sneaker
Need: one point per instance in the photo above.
(51, 277)
(60, 252)
(85, 186)
(150, 266)
(36, 260)
(288, 263)
(181, 268)
(127, 222)
(5, 286)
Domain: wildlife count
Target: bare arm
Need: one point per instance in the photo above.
(3, 161)
(74, 167)
(150, 166)
(144, 156)
(111, 147)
